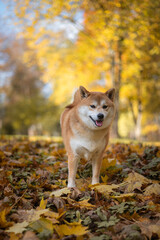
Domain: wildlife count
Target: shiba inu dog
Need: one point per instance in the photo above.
(85, 126)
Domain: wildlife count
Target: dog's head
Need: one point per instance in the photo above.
(95, 109)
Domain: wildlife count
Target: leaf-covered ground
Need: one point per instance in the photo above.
(36, 204)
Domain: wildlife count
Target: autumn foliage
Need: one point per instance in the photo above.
(98, 44)
(36, 204)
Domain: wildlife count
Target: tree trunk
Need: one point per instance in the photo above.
(116, 80)
(139, 120)
(133, 113)
(115, 132)
(113, 76)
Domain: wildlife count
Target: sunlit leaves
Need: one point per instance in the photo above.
(79, 42)
(63, 230)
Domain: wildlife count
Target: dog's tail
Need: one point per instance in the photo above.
(76, 99)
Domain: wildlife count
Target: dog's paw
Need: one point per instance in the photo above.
(71, 185)
(95, 181)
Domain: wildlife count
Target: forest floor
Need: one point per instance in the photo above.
(35, 202)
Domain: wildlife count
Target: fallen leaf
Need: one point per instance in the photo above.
(148, 228)
(82, 183)
(41, 225)
(59, 192)
(53, 216)
(2, 155)
(129, 216)
(31, 215)
(18, 227)
(132, 231)
(152, 189)
(135, 181)
(85, 204)
(158, 215)
(109, 210)
(124, 195)
(14, 236)
(3, 221)
(104, 179)
(43, 204)
(104, 189)
(106, 163)
(73, 223)
(64, 230)
(75, 193)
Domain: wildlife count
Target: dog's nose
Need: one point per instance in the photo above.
(100, 116)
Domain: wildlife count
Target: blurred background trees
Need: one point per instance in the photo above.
(98, 44)
(24, 108)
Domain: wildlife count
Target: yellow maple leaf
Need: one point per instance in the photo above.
(63, 182)
(106, 163)
(64, 230)
(104, 179)
(43, 204)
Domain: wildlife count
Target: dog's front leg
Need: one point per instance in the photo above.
(96, 167)
(72, 170)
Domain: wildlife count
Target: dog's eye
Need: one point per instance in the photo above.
(105, 107)
(92, 106)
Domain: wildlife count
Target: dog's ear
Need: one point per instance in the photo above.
(111, 94)
(83, 92)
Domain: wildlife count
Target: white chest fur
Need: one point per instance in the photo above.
(88, 145)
